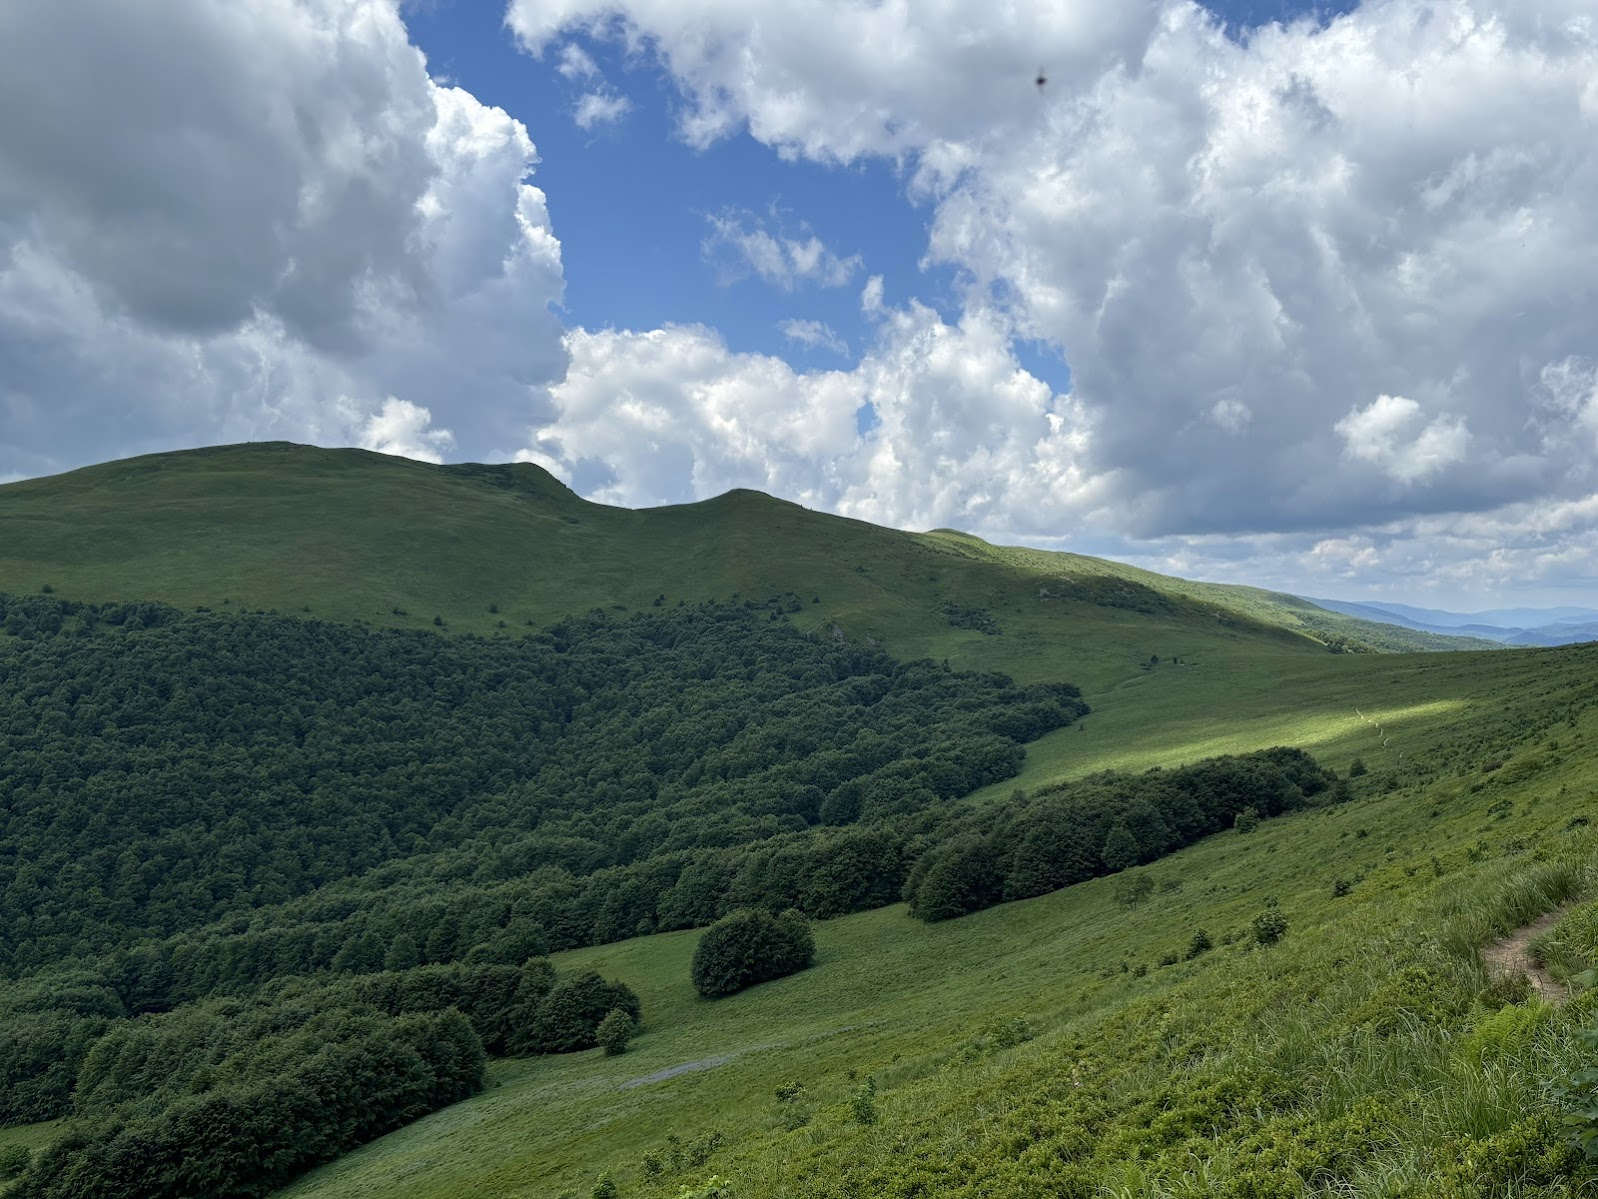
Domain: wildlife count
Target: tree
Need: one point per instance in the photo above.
(403, 953)
(1120, 848)
(961, 879)
(14, 1159)
(750, 946)
(615, 1031)
(1133, 888)
(570, 1015)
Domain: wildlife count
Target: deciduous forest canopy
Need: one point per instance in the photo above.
(199, 806)
(289, 880)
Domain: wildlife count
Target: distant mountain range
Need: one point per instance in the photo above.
(1507, 626)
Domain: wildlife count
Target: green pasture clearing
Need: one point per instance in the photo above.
(1366, 1054)
(1434, 860)
(355, 536)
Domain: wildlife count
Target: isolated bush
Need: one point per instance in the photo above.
(1007, 1034)
(614, 1031)
(714, 1187)
(863, 1103)
(1200, 943)
(1356, 768)
(1270, 926)
(790, 1112)
(1341, 887)
(699, 1150)
(750, 946)
(605, 1188)
(1247, 820)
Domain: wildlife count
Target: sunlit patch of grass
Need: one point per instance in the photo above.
(1435, 865)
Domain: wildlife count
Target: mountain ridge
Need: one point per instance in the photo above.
(1506, 626)
(359, 536)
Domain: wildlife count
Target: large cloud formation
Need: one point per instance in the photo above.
(670, 415)
(259, 219)
(1328, 277)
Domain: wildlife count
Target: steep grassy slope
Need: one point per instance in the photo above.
(1365, 1054)
(1268, 607)
(356, 536)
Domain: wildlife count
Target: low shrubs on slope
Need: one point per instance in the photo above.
(748, 947)
(1028, 847)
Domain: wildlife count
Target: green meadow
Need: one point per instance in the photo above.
(1365, 1053)
(354, 536)
(1069, 1045)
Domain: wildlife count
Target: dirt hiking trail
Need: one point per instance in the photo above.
(1511, 955)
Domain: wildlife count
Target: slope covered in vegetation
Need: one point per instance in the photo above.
(275, 886)
(246, 857)
(357, 536)
(165, 770)
(198, 806)
(1333, 1032)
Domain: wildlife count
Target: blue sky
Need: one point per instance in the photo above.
(641, 265)
(638, 261)
(1301, 297)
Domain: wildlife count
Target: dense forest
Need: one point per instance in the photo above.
(272, 886)
(164, 772)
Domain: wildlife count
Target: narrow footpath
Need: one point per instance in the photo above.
(1511, 955)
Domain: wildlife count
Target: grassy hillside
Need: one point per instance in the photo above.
(356, 536)
(1066, 1045)
(1267, 607)
(1367, 1053)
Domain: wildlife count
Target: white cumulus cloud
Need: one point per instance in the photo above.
(402, 428)
(1224, 238)
(740, 245)
(259, 219)
(600, 108)
(1391, 433)
(962, 434)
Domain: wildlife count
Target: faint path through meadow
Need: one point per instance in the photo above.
(1511, 955)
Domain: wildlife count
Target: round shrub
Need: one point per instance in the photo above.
(750, 946)
(615, 1030)
(1270, 926)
